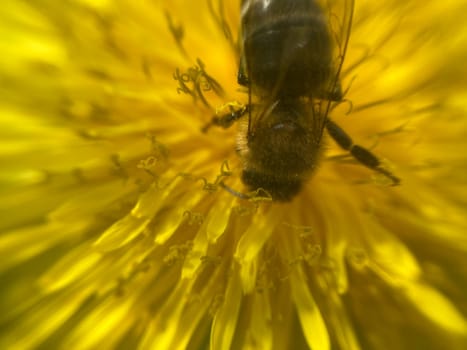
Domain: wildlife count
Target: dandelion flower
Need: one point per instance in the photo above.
(116, 233)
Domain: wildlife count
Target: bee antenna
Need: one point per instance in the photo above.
(249, 109)
(233, 192)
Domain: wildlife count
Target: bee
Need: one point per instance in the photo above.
(291, 60)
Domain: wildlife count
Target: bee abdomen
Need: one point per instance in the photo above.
(291, 50)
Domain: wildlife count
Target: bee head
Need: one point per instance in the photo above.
(281, 139)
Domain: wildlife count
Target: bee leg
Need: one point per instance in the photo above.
(361, 154)
(226, 120)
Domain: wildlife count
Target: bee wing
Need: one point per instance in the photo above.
(339, 14)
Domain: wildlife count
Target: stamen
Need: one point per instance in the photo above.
(221, 21)
(195, 82)
(178, 33)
